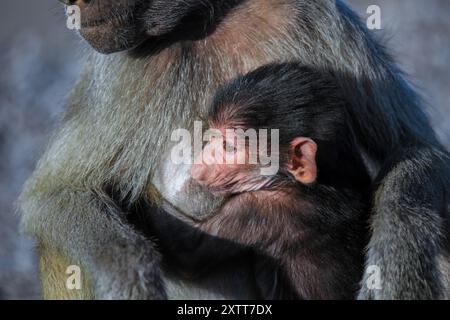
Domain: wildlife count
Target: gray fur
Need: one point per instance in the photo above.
(123, 110)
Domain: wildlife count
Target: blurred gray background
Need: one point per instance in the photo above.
(39, 62)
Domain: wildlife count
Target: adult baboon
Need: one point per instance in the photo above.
(112, 149)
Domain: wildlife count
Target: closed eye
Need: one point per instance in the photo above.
(229, 147)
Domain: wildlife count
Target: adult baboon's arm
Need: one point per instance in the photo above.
(84, 228)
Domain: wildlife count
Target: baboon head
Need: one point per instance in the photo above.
(116, 25)
(111, 25)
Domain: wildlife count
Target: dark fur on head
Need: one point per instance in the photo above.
(299, 101)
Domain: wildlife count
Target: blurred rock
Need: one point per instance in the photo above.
(36, 75)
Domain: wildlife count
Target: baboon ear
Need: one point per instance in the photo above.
(302, 160)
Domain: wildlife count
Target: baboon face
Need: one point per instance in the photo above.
(116, 25)
(112, 25)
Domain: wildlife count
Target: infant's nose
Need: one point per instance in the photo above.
(198, 172)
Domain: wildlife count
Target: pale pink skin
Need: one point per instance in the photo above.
(212, 170)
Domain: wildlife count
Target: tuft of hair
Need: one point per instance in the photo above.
(296, 99)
